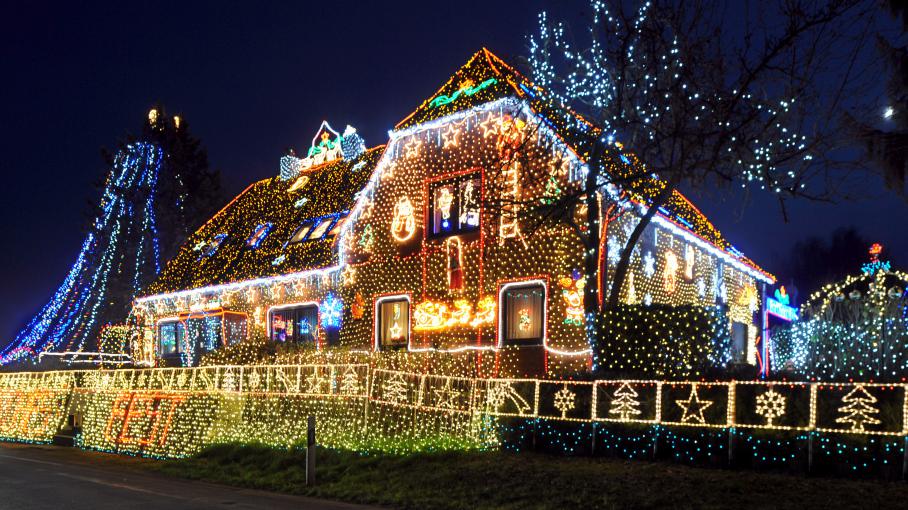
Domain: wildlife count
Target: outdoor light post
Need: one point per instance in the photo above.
(310, 451)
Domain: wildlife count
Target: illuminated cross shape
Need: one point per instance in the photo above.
(693, 407)
(564, 400)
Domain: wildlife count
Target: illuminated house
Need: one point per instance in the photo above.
(421, 244)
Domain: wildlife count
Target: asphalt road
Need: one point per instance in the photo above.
(46, 477)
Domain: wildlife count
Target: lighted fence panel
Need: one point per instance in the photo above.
(171, 412)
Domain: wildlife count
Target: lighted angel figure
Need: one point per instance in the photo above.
(403, 224)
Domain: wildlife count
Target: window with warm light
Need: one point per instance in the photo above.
(393, 323)
(523, 314)
(296, 324)
(318, 228)
(258, 235)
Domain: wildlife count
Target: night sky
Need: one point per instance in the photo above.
(253, 80)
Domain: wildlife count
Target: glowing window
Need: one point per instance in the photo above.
(523, 314)
(337, 226)
(294, 324)
(170, 337)
(455, 206)
(393, 323)
(258, 235)
(212, 246)
(320, 228)
(301, 233)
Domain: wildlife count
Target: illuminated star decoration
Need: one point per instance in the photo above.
(449, 136)
(489, 126)
(446, 396)
(348, 276)
(411, 150)
(315, 383)
(693, 407)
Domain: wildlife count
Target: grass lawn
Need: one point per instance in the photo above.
(477, 480)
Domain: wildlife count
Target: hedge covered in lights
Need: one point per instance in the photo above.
(663, 341)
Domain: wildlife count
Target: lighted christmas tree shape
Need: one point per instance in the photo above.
(395, 389)
(693, 407)
(625, 403)
(858, 409)
(70, 320)
(229, 383)
(564, 400)
(770, 405)
(349, 382)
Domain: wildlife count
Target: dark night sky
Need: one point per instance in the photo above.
(253, 79)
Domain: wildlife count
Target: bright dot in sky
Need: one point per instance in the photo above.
(888, 113)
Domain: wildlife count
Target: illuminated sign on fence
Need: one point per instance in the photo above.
(782, 311)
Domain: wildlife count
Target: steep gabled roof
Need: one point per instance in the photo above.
(329, 190)
(485, 78)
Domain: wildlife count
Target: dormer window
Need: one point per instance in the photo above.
(318, 231)
(211, 247)
(318, 228)
(258, 235)
(455, 206)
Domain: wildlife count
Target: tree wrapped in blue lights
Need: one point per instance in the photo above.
(156, 188)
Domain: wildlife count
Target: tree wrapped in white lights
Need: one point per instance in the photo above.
(679, 101)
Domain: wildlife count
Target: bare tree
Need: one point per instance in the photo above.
(679, 98)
